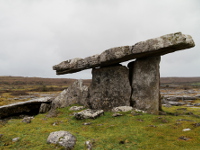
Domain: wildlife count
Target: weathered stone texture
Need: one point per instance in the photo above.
(88, 114)
(146, 84)
(152, 47)
(109, 88)
(27, 107)
(62, 138)
(75, 94)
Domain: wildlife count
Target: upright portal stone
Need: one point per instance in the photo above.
(109, 88)
(146, 84)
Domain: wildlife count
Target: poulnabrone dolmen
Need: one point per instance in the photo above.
(137, 84)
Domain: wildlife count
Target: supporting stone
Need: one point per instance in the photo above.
(109, 88)
(146, 84)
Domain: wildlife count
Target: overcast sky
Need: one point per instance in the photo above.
(37, 34)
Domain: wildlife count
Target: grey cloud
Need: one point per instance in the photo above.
(35, 35)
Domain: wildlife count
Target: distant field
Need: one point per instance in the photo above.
(180, 82)
(11, 88)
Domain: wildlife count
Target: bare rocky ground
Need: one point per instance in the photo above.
(178, 97)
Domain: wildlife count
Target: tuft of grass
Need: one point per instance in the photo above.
(129, 132)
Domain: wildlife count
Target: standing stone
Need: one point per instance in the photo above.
(146, 84)
(75, 94)
(109, 88)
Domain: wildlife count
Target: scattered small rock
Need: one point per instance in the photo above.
(166, 105)
(140, 120)
(88, 114)
(152, 126)
(100, 125)
(89, 144)
(62, 138)
(163, 120)
(75, 108)
(176, 103)
(140, 111)
(184, 138)
(116, 115)
(27, 119)
(187, 129)
(122, 109)
(181, 109)
(87, 123)
(56, 123)
(185, 120)
(196, 124)
(16, 139)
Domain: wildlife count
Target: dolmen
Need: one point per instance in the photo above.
(136, 85)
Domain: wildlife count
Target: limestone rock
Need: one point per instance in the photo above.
(89, 144)
(75, 94)
(176, 103)
(16, 139)
(152, 47)
(122, 109)
(110, 88)
(27, 119)
(146, 84)
(44, 108)
(88, 114)
(75, 108)
(62, 138)
(28, 107)
(116, 115)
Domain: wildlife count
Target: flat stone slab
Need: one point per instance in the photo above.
(88, 114)
(23, 107)
(152, 47)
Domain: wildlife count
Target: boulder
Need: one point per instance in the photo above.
(62, 138)
(30, 107)
(88, 114)
(110, 88)
(145, 77)
(152, 47)
(75, 94)
(122, 109)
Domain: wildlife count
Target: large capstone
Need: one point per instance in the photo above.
(109, 88)
(149, 48)
(146, 84)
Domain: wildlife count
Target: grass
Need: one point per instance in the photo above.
(129, 132)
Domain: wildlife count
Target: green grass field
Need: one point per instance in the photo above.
(142, 132)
